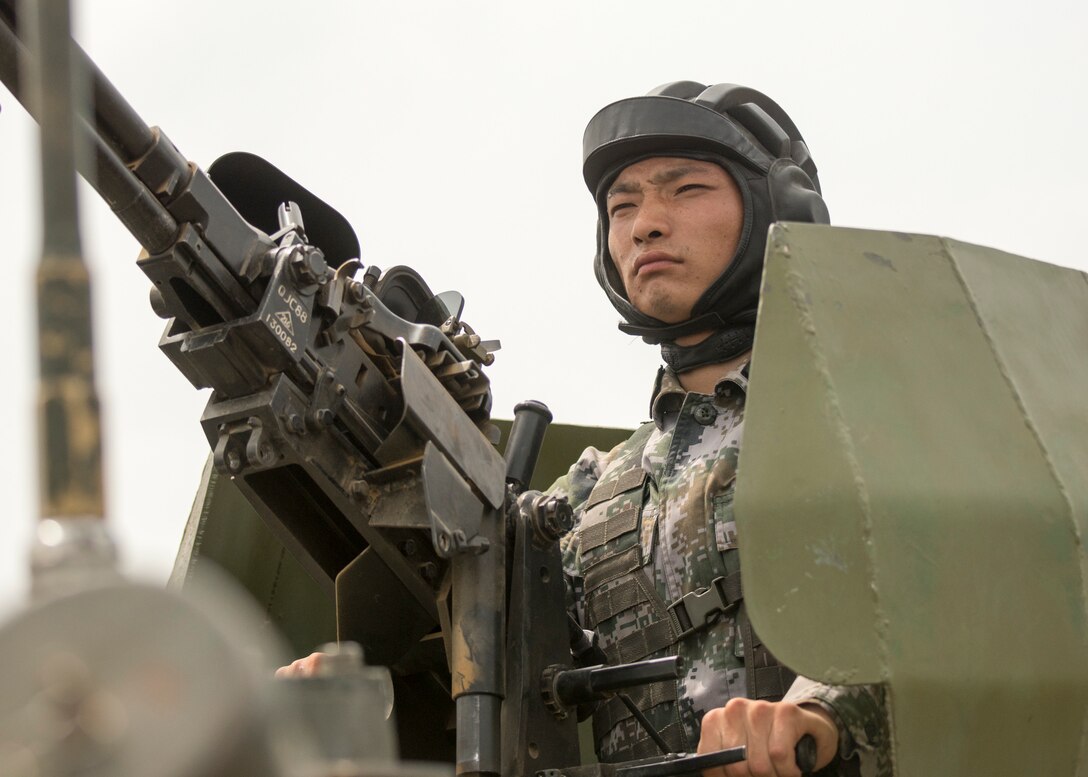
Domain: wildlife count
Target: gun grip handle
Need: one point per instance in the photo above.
(805, 754)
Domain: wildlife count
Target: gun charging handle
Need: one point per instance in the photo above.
(678, 764)
(531, 419)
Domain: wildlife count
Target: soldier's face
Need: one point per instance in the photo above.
(673, 227)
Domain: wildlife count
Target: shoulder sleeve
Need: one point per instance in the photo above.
(580, 479)
(861, 714)
(576, 486)
(592, 465)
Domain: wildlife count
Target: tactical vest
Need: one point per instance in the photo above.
(623, 605)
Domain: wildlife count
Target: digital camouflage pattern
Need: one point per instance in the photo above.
(655, 522)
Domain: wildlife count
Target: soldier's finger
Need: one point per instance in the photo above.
(785, 732)
(758, 720)
(711, 738)
(302, 667)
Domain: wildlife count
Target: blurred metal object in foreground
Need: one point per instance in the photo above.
(347, 706)
(72, 542)
(126, 680)
(912, 491)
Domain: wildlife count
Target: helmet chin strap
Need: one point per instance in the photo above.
(721, 346)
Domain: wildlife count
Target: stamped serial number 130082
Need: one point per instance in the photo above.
(276, 324)
(281, 322)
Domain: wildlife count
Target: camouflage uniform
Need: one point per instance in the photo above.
(655, 523)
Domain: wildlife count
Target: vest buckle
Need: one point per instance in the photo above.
(695, 611)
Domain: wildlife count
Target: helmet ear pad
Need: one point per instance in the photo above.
(794, 196)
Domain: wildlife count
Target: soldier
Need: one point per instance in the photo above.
(687, 180)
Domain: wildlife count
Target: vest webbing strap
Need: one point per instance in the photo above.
(602, 605)
(765, 677)
(627, 480)
(598, 534)
(772, 682)
(606, 569)
(657, 635)
(641, 643)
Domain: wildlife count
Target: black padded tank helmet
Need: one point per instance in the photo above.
(752, 138)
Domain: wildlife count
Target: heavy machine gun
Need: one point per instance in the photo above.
(334, 399)
(351, 409)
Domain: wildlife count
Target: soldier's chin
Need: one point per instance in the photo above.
(659, 303)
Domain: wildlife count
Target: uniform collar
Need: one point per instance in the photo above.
(669, 395)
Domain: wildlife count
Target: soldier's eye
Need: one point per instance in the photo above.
(619, 206)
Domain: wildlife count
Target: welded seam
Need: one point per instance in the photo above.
(1002, 367)
(1051, 467)
(794, 283)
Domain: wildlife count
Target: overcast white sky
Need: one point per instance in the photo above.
(450, 134)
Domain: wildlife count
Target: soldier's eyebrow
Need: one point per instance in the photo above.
(624, 188)
(662, 178)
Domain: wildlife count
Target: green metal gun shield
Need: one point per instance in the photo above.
(912, 495)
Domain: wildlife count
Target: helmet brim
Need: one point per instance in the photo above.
(639, 126)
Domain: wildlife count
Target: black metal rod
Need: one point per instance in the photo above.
(688, 764)
(577, 686)
(643, 721)
(531, 419)
(678, 764)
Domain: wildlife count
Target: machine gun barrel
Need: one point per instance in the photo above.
(155, 192)
(137, 208)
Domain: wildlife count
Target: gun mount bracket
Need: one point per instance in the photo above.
(243, 444)
(456, 513)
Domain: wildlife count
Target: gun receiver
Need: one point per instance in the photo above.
(252, 316)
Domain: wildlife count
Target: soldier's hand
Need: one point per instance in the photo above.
(302, 667)
(771, 731)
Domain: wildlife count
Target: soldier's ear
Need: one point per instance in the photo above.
(793, 194)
